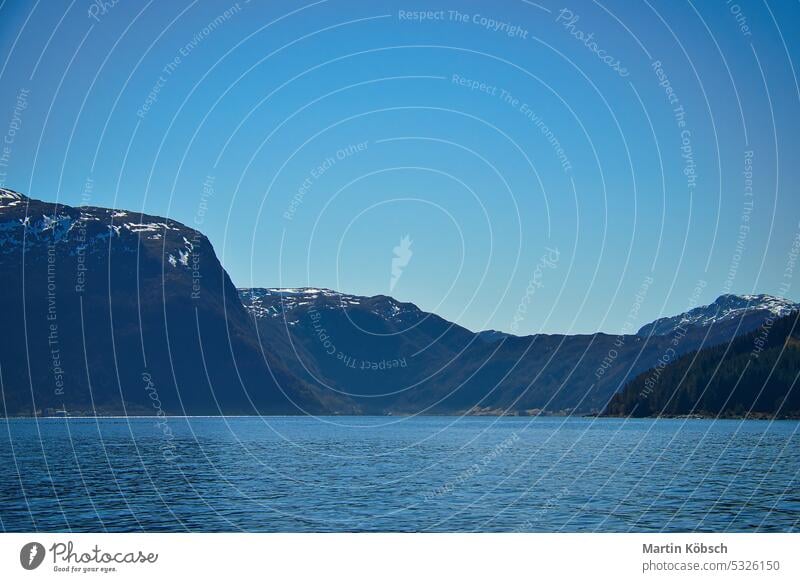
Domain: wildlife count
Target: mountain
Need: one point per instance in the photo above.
(727, 317)
(110, 311)
(492, 335)
(755, 375)
(378, 352)
(390, 357)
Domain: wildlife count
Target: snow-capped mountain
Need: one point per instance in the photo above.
(377, 350)
(118, 312)
(393, 357)
(114, 311)
(752, 376)
(289, 304)
(26, 224)
(745, 312)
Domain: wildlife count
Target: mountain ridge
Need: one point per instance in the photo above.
(753, 376)
(725, 307)
(147, 295)
(111, 311)
(505, 363)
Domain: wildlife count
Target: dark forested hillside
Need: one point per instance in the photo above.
(754, 375)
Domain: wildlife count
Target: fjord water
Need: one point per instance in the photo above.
(398, 474)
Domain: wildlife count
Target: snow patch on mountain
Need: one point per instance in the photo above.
(9, 198)
(726, 308)
(26, 224)
(291, 302)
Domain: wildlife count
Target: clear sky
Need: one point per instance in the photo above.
(556, 167)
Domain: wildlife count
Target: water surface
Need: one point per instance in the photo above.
(398, 474)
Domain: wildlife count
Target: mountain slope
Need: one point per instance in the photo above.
(118, 312)
(391, 357)
(110, 311)
(728, 316)
(755, 375)
(376, 351)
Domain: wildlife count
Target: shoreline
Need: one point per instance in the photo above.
(384, 416)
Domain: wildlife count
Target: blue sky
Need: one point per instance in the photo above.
(327, 131)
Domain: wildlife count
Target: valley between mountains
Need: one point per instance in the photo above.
(108, 312)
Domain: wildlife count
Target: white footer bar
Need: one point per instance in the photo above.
(401, 557)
